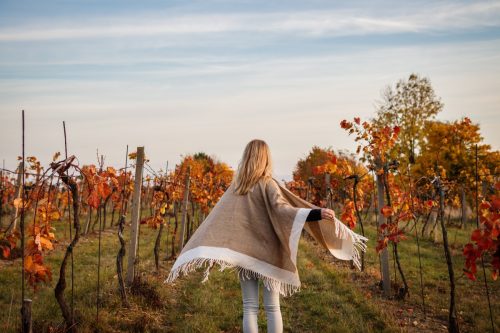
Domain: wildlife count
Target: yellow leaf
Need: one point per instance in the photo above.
(18, 203)
(46, 243)
(28, 262)
(55, 215)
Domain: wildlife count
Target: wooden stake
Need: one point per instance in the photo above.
(136, 206)
(27, 322)
(184, 209)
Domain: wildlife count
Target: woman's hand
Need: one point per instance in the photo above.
(327, 214)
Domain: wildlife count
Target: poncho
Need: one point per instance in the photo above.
(258, 235)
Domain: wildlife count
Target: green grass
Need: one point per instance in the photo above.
(471, 298)
(333, 298)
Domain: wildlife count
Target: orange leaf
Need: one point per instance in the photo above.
(93, 199)
(18, 203)
(46, 243)
(386, 211)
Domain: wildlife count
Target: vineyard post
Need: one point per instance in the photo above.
(184, 208)
(25, 307)
(463, 207)
(327, 193)
(174, 233)
(136, 205)
(309, 189)
(27, 322)
(384, 257)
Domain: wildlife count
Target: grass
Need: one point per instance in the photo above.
(471, 298)
(333, 298)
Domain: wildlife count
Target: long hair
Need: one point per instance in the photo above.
(255, 164)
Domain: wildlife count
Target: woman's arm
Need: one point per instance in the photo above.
(320, 213)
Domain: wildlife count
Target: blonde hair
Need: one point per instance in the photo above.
(255, 164)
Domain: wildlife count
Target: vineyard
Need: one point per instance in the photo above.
(87, 247)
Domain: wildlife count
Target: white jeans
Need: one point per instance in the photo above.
(250, 294)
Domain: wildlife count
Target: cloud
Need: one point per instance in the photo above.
(430, 18)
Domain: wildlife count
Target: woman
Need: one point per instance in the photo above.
(256, 164)
(255, 228)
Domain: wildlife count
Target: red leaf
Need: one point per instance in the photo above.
(5, 251)
(470, 275)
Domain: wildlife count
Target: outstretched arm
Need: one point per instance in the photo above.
(320, 213)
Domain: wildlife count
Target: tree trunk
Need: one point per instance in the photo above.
(452, 319)
(119, 261)
(61, 284)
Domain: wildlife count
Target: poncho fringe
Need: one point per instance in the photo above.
(270, 283)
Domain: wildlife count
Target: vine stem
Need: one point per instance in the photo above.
(482, 257)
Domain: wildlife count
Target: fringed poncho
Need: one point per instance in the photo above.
(258, 235)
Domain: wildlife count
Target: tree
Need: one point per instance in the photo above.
(408, 105)
(448, 148)
(310, 172)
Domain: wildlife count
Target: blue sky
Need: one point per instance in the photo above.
(180, 77)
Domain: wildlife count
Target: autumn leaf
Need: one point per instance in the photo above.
(5, 251)
(19, 203)
(163, 209)
(386, 211)
(46, 243)
(93, 199)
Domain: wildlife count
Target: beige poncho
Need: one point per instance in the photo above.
(258, 235)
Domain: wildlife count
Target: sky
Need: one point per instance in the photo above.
(180, 77)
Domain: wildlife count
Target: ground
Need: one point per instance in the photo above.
(333, 298)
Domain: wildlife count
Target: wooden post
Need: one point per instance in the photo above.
(184, 208)
(384, 256)
(309, 188)
(328, 197)
(136, 206)
(463, 206)
(26, 316)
